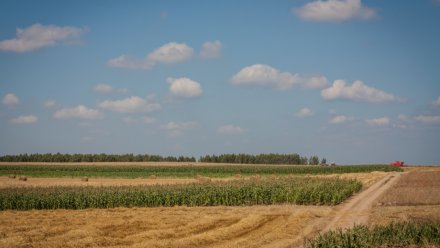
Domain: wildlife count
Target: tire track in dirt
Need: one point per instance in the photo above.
(357, 210)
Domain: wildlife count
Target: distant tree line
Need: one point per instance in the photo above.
(271, 158)
(102, 157)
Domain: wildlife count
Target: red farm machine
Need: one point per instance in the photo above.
(397, 163)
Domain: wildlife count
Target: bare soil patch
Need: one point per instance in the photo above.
(417, 187)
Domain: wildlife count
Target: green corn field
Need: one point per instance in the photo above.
(405, 234)
(181, 171)
(295, 190)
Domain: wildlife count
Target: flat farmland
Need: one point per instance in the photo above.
(246, 225)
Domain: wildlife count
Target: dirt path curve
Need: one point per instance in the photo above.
(358, 209)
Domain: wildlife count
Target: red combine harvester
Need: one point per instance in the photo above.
(397, 163)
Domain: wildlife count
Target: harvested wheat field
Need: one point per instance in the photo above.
(256, 226)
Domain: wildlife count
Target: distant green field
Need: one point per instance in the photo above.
(263, 191)
(180, 171)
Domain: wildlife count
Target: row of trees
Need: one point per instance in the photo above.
(59, 157)
(271, 158)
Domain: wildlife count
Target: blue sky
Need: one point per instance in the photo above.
(353, 81)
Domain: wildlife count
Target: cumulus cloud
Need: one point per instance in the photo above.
(358, 91)
(428, 118)
(131, 105)
(184, 87)
(24, 119)
(50, 104)
(383, 121)
(334, 11)
(230, 129)
(106, 88)
(340, 119)
(304, 112)
(211, 50)
(265, 75)
(80, 112)
(10, 100)
(436, 102)
(169, 53)
(38, 36)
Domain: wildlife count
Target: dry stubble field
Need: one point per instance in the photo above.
(250, 226)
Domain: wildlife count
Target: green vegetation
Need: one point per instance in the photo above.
(271, 158)
(180, 171)
(296, 190)
(62, 158)
(404, 234)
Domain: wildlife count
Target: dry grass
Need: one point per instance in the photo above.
(386, 214)
(258, 226)
(6, 182)
(416, 187)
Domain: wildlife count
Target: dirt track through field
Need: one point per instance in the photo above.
(358, 209)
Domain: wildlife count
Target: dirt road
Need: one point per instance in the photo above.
(358, 209)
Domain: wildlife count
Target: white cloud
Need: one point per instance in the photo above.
(167, 54)
(10, 100)
(50, 104)
(105, 88)
(428, 118)
(171, 53)
(131, 105)
(358, 91)
(265, 75)
(383, 121)
(230, 129)
(436, 102)
(80, 111)
(38, 36)
(334, 11)
(340, 119)
(24, 119)
(184, 87)
(305, 112)
(211, 50)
